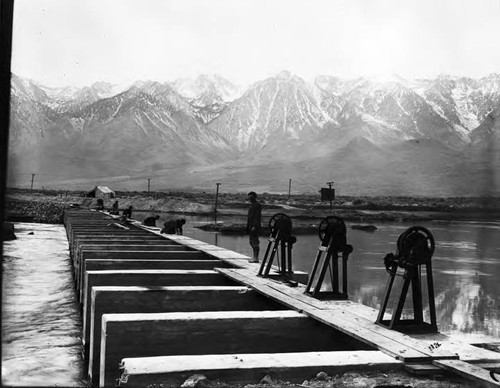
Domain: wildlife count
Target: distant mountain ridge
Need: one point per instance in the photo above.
(205, 129)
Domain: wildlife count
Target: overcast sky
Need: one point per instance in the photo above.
(77, 42)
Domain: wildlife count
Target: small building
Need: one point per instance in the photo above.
(101, 192)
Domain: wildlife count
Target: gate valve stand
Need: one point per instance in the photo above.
(415, 248)
(333, 236)
(281, 237)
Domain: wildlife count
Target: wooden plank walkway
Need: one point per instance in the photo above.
(358, 321)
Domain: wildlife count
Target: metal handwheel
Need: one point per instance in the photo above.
(416, 245)
(280, 223)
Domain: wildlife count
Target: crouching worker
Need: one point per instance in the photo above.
(173, 226)
(127, 213)
(100, 204)
(150, 221)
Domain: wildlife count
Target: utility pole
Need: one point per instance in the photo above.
(330, 194)
(216, 200)
(32, 179)
(149, 185)
(289, 187)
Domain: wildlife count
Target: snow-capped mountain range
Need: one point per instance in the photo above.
(399, 137)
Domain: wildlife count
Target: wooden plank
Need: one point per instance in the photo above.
(351, 310)
(225, 254)
(106, 300)
(224, 332)
(240, 369)
(344, 307)
(421, 342)
(339, 322)
(475, 373)
(467, 352)
(393, 343)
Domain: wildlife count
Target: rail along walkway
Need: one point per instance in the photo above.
(159, 308)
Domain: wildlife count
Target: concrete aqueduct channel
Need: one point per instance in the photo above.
(159, 308)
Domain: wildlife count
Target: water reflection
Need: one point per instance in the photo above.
(41, 324)
(466, 265)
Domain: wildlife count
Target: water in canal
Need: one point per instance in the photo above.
(41, 323)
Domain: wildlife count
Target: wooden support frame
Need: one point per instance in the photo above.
(411, 278)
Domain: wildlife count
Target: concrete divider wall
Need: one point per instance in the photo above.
(145, 278)
(106, 300)
(124, 255)
(118, 264)
(239, 369)
(230, 332)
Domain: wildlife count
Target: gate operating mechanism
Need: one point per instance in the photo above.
(333, 236)
(415, 248)
(281, 237)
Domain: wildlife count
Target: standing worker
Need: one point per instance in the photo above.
(114, 209)
(253, 225)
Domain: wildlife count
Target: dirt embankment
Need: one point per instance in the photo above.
(48, 207)
(306, 210)
(43, 212)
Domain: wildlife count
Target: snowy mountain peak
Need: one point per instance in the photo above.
(284, 75)
(207, 84)
(27, 89)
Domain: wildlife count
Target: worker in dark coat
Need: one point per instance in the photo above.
(254, 225)
(114, 208)
(173, 226)
(127, 213)
(100, 204)
(151, 221)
